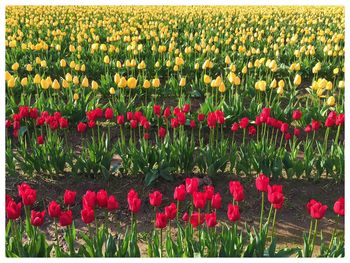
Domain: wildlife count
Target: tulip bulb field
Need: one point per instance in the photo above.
(174, 131)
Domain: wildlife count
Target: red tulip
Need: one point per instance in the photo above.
(309, 204)
(8, 124)
(66, 218)
(174, 123)
(275, 196)
(155, 198)
(87, 215)
(192, 185)
(166, 112)
(89, 199)
(196, 219)
(22, 188)
(261, 183)
(161, 132)
(91, 124)
(146, 136)
(233, 213)
(234, 127)
(109, 114)
(237, 190)
(200, 117)
(170, 211)
(13, 210)
(297, 115)
(69, 197)
(211, 120)
(54, 209)
(186, 108)
(308, 129)
(284, 128)
(133, 124)
(340, 119)
(156, 110)
(180, 193)
(161, 220)
(209, 191)
(199, 200)
(329, 122)
(33, 113)
(120, 119)
(81, 128)
(112, 203)
(338, 207)
(134, 201)
(16, 125)
(210, 219)
(318, 210)
(63, 123)
(102, 198)
(243, 123)
(315, 125)
(193, 124)
(296, 132)
(181, 117)
(40, 140)
(216, 201)
(8, 199)
(37, 218)
(251, 130)
(29, 197)
(185, 217)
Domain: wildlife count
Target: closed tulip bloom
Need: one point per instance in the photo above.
(262, 182)
(170, 211)
(199, 200)
(182, 82)
(29, 197)
(196, 219)
(85, 82)
(200, 117)
(180, 193)
(315, 125)
(161, 132)
(155, 198)
(69, 197)
(161, 220)
(209, 191)
(284, 127)
(40, 139)
(66, 218)
(89, 199)
(109, 114)
(243, 123)
(297, 115)
(54, 209)
(146, 84)
(275, 195)
(102, 198)
(185, 217)
(191, 185)
(37, 218)
(155, 83)
(297, 80)
(340, 119)
(112, 203)
(339, 206)
(132, 83)
(81, 128)
(210, 219)
(63, 123)
(296, 132)
(22, 188)
(331, 101)
(309, 204)
(134, 204)
(120, 119)
(13, 210)
(318, 210)
(233, 213)
(216, 201)
(237, 190)
(94, 85)
(87, 215)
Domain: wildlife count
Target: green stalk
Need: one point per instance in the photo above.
(310, 229)
(262, 210)
(273, 224)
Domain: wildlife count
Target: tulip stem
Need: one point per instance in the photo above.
(310, 229)
(273, 224)
(337, 136)
(262, 210)
(269, 217)
(161, 242)
(314, 236)
(177, 210)
(326, 139)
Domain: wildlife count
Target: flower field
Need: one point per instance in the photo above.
(196, 116)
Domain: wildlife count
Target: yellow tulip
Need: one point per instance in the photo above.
(297, 80)
(112, 91)
(85, 82)
(227, 60)
(341, 84)
(65, 83)
(280, 91)
(273, 84)
(75, 96)
(122, 83)
(94, 85)
(157, 65)
(237, 81)
(146, 84)
(155, 82)
(11, 82)
(24, 82)
(44, 84)
(72, 64)
(132, 82)
(222, 87)
(76, 80)
(56, 85)
(29, 67)
(116, 78)
(244, 70)
(331, 101)
(68, 77)
(329, 85)
(43, 64)
(15, 66)
(182, 82)
(83, 68)
(179, 61)
(336, 71)
(206, 79)
(63, 63)
(37, 79)
(281, 83)
(106, 59)
(7, 75)
(196, 66)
